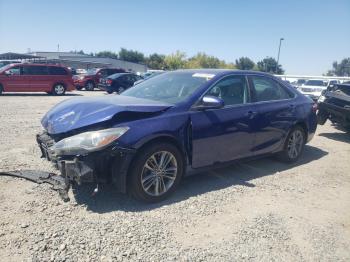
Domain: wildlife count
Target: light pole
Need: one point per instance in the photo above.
(279, 50)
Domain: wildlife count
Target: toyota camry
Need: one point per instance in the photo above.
(147, 139)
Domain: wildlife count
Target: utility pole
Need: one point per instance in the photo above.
(58, 47)
(279, 50)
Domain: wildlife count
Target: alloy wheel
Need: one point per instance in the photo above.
(59, 89)
(295, 143)
(159, 173)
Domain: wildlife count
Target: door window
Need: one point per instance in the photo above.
(53, 70)
(35, 70)
(16, 70)
(266, 89)
(231, 89)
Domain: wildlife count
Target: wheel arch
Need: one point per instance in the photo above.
(122, 178)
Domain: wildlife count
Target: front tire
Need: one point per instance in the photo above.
(58, 90)
(1, 90)
(294, 145)
(156, 172)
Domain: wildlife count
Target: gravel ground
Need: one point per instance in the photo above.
(258, 211)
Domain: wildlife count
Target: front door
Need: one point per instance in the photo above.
(225, 134)
(16, 81)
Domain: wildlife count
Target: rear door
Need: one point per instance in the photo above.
(276, 113)
(221, 135)
(40, 79)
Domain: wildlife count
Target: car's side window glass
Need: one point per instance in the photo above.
(266, 89)
(35, 70)
(53, 70)
(16, 70)
(231, 89)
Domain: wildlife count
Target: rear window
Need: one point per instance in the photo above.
(54, 70)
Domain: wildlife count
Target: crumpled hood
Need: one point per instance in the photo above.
(80, 112)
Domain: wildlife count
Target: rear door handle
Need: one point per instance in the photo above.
(251, 114)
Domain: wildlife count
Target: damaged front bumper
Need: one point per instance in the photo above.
(108, 165)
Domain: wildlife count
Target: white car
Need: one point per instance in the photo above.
(314, 87)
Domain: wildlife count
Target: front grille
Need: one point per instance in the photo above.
(307, 90)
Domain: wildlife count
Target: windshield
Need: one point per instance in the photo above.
(172, 87)
(314, 83)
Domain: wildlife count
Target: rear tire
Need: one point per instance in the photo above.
(294, 145)
(90, 86)
(1, 90)
(156, 172)
(58, 90)
(78, 88)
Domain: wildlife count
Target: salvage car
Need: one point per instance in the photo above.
(147, 139)
(334, 104)
(118, 82)
(90, 80)
(26, 77)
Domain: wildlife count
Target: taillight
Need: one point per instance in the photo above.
(109, 82)
(314, 107)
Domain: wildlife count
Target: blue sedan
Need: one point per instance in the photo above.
(147, 139)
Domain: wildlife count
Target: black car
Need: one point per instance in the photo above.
(118, 82)
(334, 104)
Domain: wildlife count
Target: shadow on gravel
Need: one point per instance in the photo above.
(37, 94)
(341, 137)
(237, 174)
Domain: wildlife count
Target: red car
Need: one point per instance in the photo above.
(90, 80)
(52, 79)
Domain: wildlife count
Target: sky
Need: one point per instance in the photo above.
(316, 33)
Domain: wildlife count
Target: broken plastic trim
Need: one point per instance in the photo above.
(58, 183)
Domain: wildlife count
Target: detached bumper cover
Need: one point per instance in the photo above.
(58, 183)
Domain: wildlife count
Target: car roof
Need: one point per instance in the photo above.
(35, 64)
(224, 71)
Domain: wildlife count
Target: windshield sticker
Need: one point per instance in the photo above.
(203, 75)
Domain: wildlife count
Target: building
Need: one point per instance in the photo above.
(76, 61)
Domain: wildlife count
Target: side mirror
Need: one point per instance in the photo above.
(8, 72)
(210, 102)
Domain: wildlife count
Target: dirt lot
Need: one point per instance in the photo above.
(257, 211)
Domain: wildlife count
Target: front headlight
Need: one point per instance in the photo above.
(88, 142)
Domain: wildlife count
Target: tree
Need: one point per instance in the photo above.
(156, 61)
(269, 64)
(81, 52)
(202, 60)
(107, 54)
(131, 56)
(175, 61)
(245, 63)
(340, 69)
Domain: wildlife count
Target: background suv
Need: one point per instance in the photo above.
(52, 79)
(91, 79)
